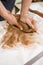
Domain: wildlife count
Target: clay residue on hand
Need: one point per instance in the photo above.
(15, 35)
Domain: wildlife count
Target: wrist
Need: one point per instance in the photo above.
(4, 14)
(7, 15)
(23, 15)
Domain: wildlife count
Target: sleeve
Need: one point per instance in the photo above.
(2, 0)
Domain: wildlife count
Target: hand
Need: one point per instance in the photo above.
(13, 21)
(8, 16)
(29, 20)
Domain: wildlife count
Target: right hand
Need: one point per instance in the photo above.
(29, 20)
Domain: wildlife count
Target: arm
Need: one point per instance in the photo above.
(8, 16)
(25, 6)
(25, 17)
(3, 11)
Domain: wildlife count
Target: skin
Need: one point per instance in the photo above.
(23, 15)
(8, 16)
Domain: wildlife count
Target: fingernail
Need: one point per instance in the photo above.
(21, 28)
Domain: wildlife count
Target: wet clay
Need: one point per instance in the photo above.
(15, 35)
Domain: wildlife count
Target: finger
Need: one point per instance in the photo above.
(29, 23)
(19, 26)
(34, 24)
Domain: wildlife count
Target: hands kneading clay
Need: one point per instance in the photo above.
(15, 35)
(26, 27)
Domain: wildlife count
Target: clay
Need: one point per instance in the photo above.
(26, 28)
(15, 35)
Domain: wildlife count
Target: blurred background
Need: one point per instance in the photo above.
(33, 0)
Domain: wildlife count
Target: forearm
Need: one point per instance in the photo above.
(3, 11)
(25, 6)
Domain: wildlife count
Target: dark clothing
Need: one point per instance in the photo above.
(8, 5)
